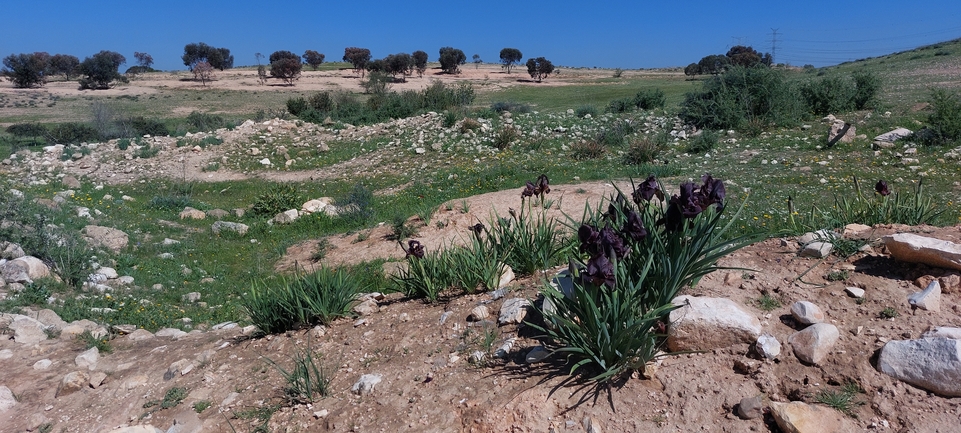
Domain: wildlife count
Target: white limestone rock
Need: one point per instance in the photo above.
(912, 248)
(933, 364)
(708, 323)
(815, 342)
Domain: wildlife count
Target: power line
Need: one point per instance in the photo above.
(773, 45)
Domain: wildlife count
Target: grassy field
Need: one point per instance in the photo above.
(762, 171)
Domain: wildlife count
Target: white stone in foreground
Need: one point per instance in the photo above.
(933, 364)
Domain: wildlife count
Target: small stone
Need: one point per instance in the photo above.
(478, 313)
(42, 364)
(815, 342)
(928, 299)
(7, 399)
(590, 426)
(854, 292)
(366, 384)
(537, 354)
(817, 250)
(505, 348)
(97, 378)
(798, 417)
(191, 213)
(750, 408)
(513, 310)
(768, 346)
(806, 313)
(191, 297)
(933, 364)
(321, 414)
(476, 357)
(73, 382)
(88, 359)
(366, 308)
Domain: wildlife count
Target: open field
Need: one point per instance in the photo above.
(435, 175)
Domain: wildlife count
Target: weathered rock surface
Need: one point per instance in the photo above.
(7, 399)
(798, 417)
(27, 330)
(366, 384)
(105, 237)
(513, 310)
(817, 250)
(709, 323)
(227, 226)
(750, 408)
(24, 270)
(88, 359)
(815, 342)
(768, 346)
(933, 364)
(943, 332)
(73, 382)
(191, 213)
(927, 299)
(806, 312)
(912, 248)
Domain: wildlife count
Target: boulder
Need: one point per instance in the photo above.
(27, 330)
(24, 270)
(768, 346)
(912, 248)
(7, 400)
(286, 217)
(105, 237)
(191, 213)
(73, 382)
(366, 384)
(750, 408)
(933, 364)
(218, 214)
(943, 332)
(10, 251)
(366, 308)
(815, 342)
(513, 310)
(839, 127)
(806, 313)
(798, 417)
(313, 206)
(88, 359)
(226, 226)
(710, 323)
(893, 135)
(927, 299)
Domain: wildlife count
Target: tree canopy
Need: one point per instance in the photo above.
(358, 57)
(510, 57)
(64, 64)
(26, 70)
(450, 59)
(539, 68)
(286, 66)
(420, 61)
(218, 58)
(101, 69)
(400, 63)
(313, 58)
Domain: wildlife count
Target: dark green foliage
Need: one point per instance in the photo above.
(510, 57)
(401, 229)
(219, 58)
(26, 70)
(713, 64)
(645, 150)
(539, 68)
(692, 70)
(277, 199)
(420, 61)
(741, 97)
(321, 101)
(198, 121)
(313, 58)
(451, 59)
(377, 82)
(383, 104)
(587, 149)
(358, 57)
(747, 57)
(620, 105)
(72, 133)
(286, 66)
(400, 63)
(101, 69)
(511, 106)
(649, 99)
(297, 106)
(584, 110)
(308, 377)
(706, 141)
(866, 87)
(944, 123)
(27, 130)
(65, 65)
(320, 297)
(828, 95)
(152, 127)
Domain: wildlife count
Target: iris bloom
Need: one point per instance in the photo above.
(647, 190)
(414, 248)
(599, 272)
(882, 188)
(634, 227)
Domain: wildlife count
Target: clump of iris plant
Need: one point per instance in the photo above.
(538, 188)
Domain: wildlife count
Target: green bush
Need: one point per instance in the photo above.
(322, 101)
(319, 297)
(866, 87)
(359, 204)
(742, 96)
(587, 149)
(277, 199)
(621, 105)
(146, 151)
(511, 106)
(649, 99)
(27, 130)
(828, 95)
(944, 123)
(152, 127)
(706, 141)
(584, 110)
(202, 122)
(528, 241)
(644, 150)
(297, 105)
(123, 143)
(72, 133)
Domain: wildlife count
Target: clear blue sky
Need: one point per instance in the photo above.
(625, 34)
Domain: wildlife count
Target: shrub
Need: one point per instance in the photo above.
(505, 136)
(26, 70)
(297, 106)
(27, 130)
(828, 95)
(645, 149)
(146, 151)
(705, 142)
(468, 125)
(152, 127)
(72, 133)
(277, 199)
(101, 69)
(587, 149)
(740, 95)
(320, 101)
(620, 105)
(511, 106)
(359, 204)
(866, 87)
(319, 297)
(944, 122)
(584, 110)
(402, 229)
(205, 121)
(649, 99)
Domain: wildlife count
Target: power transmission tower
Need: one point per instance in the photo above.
(773, 44)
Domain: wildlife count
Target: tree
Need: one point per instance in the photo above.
(143, 59)
(286, 66)
(313, 58)
(714, 64)
(692, 69)
(400, 63)
(101, 69)
(64, 64)
(450, 59)
(219, 58)
(741, 55)
(477, 61)
(510, 57)
(358, 57)
(204, 72)
(539, 68)
(26, 70)
(420, 62)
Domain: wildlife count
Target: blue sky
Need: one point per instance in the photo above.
(625, 34)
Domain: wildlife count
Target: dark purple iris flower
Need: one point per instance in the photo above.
(478, 229)
(590, 239)
(414, 248)
(647, 190)
(712, 192)
(599, 272)
(689, 202)
(530, 190)
(611, 243)
(882, 188)
(543, 185)
(634, 227)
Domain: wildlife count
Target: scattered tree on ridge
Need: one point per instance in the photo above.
(420, 62)
(510, 57)
(26, 70)
(143, 59)
(219, 58)
(477, 61)
(286, 66)
(450, 59)
(64, 64)
(692, 70)
(358, 57)
(400, 63)
(539, 68)
(313, 58)
(203, 72)
(713, 64)
(101, 69)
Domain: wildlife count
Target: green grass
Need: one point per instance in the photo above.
(842, 399)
